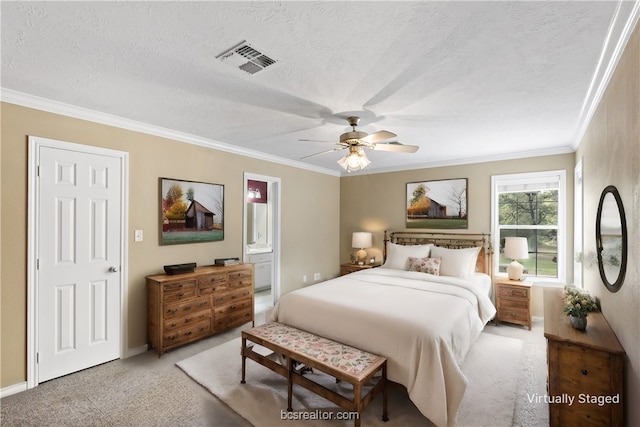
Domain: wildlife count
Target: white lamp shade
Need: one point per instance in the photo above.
(516, 248)
(361, 239)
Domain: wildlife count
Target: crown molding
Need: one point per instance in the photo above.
(620, 30)
(26, 100)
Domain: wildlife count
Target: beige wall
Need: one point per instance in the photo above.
(308, 218)
(610, 151)
(377, 202)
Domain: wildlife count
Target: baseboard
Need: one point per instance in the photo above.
(136, 351)
(13, 389)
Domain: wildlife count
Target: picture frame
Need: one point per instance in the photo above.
(190, 211)
(437, 204)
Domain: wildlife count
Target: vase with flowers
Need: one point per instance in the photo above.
(577, 305)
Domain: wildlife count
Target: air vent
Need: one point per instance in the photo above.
(246, 57)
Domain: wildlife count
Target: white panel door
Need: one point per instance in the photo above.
(78, 273)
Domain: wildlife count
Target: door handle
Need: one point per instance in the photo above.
(114, 269)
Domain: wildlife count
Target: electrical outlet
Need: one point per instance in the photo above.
(316, 276)
(304, 279)
(137, 235)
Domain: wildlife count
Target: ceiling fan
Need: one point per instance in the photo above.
(356, 141)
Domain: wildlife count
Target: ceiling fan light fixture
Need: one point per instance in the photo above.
(356, 141)
(354, 161)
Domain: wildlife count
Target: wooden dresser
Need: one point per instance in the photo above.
(183, 308)
(513, 301)
(584, 365)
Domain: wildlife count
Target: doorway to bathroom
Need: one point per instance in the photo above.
(261, 242)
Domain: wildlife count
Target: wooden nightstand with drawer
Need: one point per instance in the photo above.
(350, 268)
(513, 302)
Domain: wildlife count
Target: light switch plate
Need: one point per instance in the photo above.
(137, 235)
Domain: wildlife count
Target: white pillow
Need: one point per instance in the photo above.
(398, 255)
(456, 262)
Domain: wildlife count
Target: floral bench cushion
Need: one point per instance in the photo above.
(348, 359)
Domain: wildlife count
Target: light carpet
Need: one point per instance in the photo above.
(491, 367)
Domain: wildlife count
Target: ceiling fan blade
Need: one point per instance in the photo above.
(317, 140)
(397, 147)
(322, 152)
(381, 135)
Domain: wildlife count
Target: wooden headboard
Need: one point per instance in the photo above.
(446, 240)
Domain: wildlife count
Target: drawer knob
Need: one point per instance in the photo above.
(585, 372)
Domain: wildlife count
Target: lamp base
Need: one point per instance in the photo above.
(361, 256)
(515, 270)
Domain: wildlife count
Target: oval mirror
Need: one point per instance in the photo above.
(611, 239)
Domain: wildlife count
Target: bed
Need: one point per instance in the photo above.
(422, 310)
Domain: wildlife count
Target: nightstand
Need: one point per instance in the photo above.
(350, 268)
(513, 301)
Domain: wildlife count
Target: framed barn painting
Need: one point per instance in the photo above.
(190, 212)
(438, 204)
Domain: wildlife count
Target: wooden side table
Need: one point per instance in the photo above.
(513, 301)
(350, 268)
(586, 367)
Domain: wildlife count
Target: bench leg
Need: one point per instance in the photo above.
(289, 383)
(244, 359)
(357, 399)
(385, 418)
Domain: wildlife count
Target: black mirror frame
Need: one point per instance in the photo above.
(612, 287)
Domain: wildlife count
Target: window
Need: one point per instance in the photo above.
(531, 205)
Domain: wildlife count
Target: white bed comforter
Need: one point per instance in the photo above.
(423, 324)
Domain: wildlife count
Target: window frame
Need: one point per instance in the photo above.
(531, 177)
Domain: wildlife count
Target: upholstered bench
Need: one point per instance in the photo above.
(340, 361)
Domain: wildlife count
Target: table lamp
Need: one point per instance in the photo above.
(361, 240)
(515, 248)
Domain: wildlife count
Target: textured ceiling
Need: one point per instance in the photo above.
(465, 81)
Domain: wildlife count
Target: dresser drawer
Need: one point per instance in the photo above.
(183, 308)
(236, 318)
(212, 283)
(234, 306)
(189, 333)
(210, 288)
(511, 303)
(584, 369)
(509, 291)
(240, 278)
(232, 296)
(513, 315)
(176, 291)
(189, 319)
